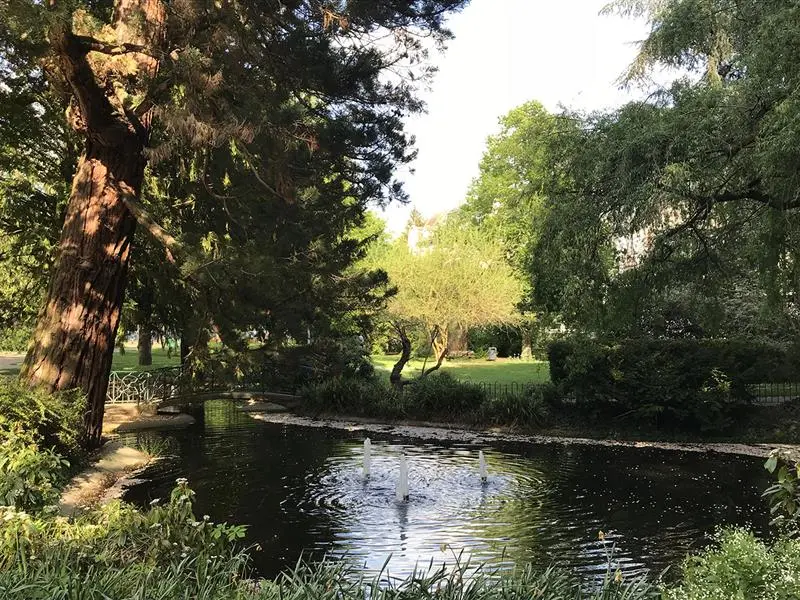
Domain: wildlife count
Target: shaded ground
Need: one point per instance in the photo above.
(129, 416)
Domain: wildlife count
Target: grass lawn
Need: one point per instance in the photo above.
(477, 370)
(130, 360)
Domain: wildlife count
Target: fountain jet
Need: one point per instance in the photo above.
(402, 483)
(367, 456)
(482, 466)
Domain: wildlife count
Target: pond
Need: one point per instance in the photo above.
(301, 491)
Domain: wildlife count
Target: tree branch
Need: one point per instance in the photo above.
(156, 231)
(90, 44)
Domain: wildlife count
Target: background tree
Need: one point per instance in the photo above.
(508, 199)
(670, 207)
(459, 278)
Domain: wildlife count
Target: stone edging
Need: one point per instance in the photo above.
(434, 431)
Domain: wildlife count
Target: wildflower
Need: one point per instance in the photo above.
(618, 577)
(155, 501)
(601, 536)
(181, 481)
(206, 517)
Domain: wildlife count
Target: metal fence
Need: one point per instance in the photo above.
(774, 393)
(762, 394)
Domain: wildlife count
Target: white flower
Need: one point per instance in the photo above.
(181, 481)
(155, 501)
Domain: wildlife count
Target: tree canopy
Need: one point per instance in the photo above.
(244, 139)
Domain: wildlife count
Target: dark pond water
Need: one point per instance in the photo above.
(301, 491)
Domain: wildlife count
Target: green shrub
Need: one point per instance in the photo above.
(527, 408)
(114, 536)
(557, 354)
(352, 395)
(54, 420)
(666, 384)
(15, 339)
(743, 567)
(30, 476)
(440, 394)
(784, 495)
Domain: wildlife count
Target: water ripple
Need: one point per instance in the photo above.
(303, 491)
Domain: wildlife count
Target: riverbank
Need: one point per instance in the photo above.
(426, 430)
(104, 479)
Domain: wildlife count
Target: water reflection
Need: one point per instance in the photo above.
(303, 490)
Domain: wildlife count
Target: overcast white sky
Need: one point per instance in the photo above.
(505, 53)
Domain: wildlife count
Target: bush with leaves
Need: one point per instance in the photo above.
(689, 385)
(784, 495)
(53, 420)
(743, 567)
(116, 535)
(354, 396)
(30, 476)
(441, 395)
(530, 407)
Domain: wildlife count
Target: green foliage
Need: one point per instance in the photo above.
(457, 277)
(784, 495)
(350, 395)
(438, 397)
(113, 537)
(15, 339)
(688, 384)
(743, 567)
(441, 395)
(30, 476)
(530, 408)
(36, 431)
(52, 420)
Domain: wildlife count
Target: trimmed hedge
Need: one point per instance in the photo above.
(687, 384)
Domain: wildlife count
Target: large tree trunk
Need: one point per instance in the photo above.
(73, 344)
(145, 345)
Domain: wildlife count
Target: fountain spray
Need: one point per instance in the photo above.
(367, 456)
(402, 482)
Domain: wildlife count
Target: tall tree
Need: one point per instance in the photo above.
(458, 278)
(678, 201)
(143, 80)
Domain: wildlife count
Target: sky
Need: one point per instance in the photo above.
(505, 53)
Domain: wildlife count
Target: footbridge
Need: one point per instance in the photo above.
(174, 386)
